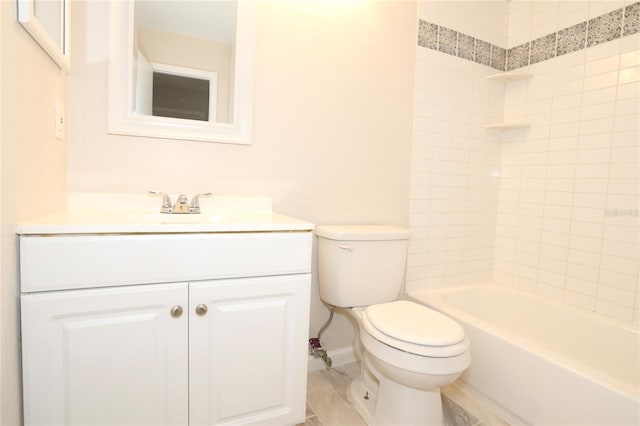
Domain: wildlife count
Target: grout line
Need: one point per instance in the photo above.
(604, 219)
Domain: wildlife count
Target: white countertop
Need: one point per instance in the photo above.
(222, 217)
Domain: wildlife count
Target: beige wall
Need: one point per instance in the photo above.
(33, 174)
(1, 252)
(332, 127)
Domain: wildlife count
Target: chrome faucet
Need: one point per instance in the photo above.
(181, 206)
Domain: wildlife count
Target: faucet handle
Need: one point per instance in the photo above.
(166, 202)
(194, 207)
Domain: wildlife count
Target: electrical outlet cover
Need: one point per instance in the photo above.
(60, 120)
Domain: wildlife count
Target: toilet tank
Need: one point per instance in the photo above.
(360, 265)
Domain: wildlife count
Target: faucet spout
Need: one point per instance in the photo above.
(181, 205)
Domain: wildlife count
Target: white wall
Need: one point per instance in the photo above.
(32, 175)
(332, 129)
(568, 225)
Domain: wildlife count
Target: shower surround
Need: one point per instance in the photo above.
(551, 208)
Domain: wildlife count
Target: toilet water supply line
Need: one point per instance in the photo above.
(315, 347)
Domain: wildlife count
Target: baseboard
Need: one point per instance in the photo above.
(338, 357)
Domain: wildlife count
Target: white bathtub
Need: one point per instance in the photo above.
(542, 362)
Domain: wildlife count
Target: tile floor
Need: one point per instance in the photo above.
(328, 403)
(327, 400)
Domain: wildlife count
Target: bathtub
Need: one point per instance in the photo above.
(541, 362)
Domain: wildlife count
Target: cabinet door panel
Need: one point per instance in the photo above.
(106, 356)
(248, 353)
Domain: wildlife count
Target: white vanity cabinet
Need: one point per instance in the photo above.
(245, 352)
(105, 356)
(176, 329)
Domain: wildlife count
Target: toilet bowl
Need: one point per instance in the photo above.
(408, 361)
(407, 350)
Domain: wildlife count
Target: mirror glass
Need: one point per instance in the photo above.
(184, 54)
(47, 21)
(49, 13)
(181, 69)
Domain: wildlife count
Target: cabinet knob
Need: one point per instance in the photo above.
(201, 309)
(176, 311)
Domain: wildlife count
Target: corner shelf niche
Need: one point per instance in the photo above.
(507, 126)
(507, 78)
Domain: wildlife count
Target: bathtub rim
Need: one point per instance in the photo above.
(434, 298)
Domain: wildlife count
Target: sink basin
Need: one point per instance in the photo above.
(177, 219)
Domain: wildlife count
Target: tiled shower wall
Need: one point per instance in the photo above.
(565, 190)
(568, 206)
(455, 160)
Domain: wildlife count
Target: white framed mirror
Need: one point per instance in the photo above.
(47, 21)
(206, 69)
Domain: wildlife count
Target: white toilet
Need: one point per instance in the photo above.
(407, 350)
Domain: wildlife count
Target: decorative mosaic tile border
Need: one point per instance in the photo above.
(454, 43)
(619, 23)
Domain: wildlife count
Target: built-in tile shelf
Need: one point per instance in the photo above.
(509, 77)
(507, 126)
(506, 78)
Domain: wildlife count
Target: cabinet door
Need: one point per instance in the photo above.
(106, 356)
(248, 352)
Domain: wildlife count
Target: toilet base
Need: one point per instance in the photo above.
(389, 403)
(364, 406)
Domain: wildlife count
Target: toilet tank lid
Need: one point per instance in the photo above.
(362, 232)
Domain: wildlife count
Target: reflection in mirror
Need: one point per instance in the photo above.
(188, 48)
(182, 97)
(178, 92)
(181, 69)
(48, 23)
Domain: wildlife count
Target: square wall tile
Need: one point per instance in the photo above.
(466, 47)
(483, 52)
(447, 41)
(543, 48)
(604, 28)
(498, 58)
(427, 35)
(631, 19)
(518, 57)
(572, 39)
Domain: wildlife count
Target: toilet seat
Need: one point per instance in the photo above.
(414, 328)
